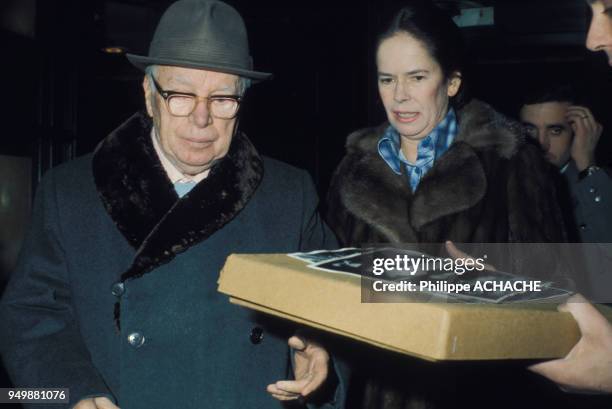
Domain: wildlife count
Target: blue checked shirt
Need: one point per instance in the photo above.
(429, 149)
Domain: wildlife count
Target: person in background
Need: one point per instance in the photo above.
(588, 366)
(568, 134)
(115, 295)
(599, 36)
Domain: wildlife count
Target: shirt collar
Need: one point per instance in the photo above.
(429, 149)
(389, 149)
(564, 168)
(175, 175)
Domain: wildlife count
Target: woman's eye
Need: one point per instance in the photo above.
(419, 78)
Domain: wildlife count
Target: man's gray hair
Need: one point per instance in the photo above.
(151, 70)
(243, 83)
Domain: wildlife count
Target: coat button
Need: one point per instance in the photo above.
(583, 227)
(592, 190)
(118, 289)
(256, 335)
(136, 339)
(598, 198)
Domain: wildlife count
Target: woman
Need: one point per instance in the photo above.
(442, 168)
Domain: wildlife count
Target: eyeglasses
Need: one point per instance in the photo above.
(183, 103)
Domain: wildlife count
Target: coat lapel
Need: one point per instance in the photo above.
(456, 183)
(458, 180)
(366, 176)
(131, 181)
(140, 199)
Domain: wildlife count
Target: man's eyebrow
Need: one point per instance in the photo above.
(179, 80)
(560, 125)
(232, 89)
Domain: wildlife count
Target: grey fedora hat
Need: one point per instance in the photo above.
(203, 34)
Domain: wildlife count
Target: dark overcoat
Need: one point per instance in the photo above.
(115, 291)
(588, 204)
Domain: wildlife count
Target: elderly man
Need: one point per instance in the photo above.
(568, 134)
(588, 366)
(115, 293)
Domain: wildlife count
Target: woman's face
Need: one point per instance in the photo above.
(412, 86)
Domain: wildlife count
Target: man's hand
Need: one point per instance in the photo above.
(311, 366)
(96, 403)
(588, 366)
(587, 132)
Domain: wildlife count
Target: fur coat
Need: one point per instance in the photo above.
(491, 186)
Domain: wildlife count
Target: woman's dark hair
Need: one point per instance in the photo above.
(438, 33)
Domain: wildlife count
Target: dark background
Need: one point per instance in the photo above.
(60, 94)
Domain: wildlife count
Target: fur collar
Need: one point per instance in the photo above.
(457, 181)
(141, 200)
(480, 126)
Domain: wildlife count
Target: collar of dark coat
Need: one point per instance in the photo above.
(455, 183)
(141, 200)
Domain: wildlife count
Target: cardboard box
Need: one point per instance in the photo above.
(283, 286)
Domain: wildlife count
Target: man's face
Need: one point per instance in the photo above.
(599, 37)
(195, 142)
(547, 124)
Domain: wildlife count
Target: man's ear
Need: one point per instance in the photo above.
(454, 83)
(148, 90)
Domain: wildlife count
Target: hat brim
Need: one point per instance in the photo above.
(141, 62)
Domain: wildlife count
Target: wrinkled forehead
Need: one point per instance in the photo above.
(191, 77)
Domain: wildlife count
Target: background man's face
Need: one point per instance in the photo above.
(547, 124)
(599, 37)
(195, 142)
